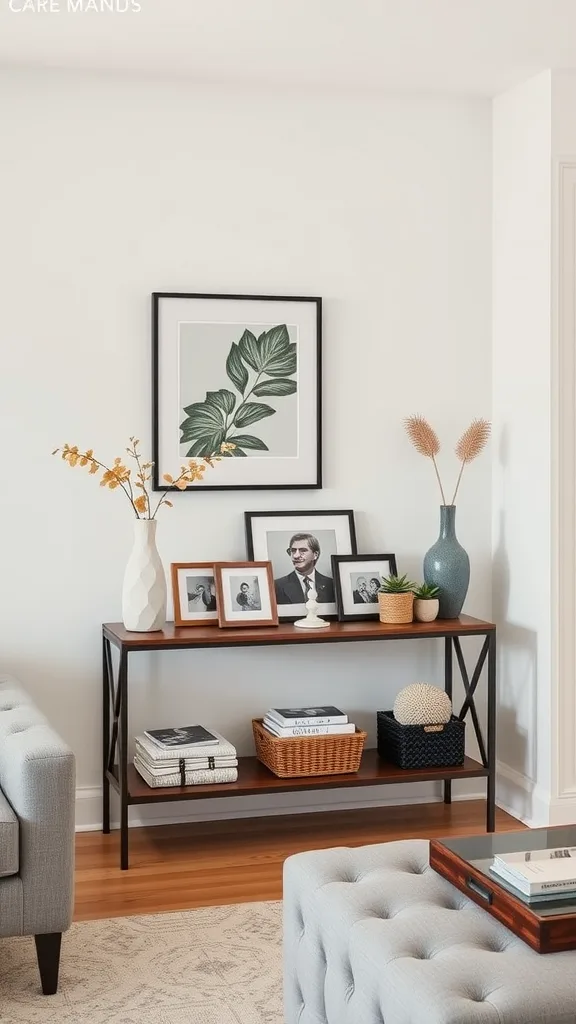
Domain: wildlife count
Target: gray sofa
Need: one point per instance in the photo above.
(37, 793)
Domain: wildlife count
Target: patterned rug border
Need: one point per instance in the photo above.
(203, 965)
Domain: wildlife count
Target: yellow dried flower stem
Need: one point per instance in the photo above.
(119, 475)
(72, 456)
(136, 455)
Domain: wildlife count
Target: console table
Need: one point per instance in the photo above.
(254, 777)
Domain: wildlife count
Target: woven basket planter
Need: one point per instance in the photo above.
(396, 608)
(298, 756)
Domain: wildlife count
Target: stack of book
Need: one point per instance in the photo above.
(188, 755)
(292, 722)
(538, 875)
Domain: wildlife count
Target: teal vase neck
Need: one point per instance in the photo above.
(448, 522)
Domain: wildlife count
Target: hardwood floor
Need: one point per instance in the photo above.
(174, 867)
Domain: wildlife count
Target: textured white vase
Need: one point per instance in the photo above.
(144, 589)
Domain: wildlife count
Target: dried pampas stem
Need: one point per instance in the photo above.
(472, 442)
(425, 440)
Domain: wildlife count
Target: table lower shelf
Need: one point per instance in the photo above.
(254, 777)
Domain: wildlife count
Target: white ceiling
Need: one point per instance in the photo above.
(459, 46)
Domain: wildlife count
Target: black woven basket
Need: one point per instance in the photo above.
(420, 746)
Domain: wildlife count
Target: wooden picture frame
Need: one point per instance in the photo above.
(245, 594)
(191, 583)
(351, 600)
(269, 536)
(243, 372)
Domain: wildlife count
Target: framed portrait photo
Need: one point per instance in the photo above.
(357, 580)
(245, 594)
(237, 376)
(300, 546)
(194, 593)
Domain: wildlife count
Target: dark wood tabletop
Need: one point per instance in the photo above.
(288, 633)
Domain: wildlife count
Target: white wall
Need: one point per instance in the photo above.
(521, 381)
(114, 188)
(563, 359)
(534, 389)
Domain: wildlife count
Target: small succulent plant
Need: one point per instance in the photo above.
(426, 591)
(396, 585)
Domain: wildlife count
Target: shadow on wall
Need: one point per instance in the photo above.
(516, 713)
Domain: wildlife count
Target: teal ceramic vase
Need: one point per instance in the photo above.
(447, 566)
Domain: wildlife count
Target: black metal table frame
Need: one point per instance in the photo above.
(115, 714)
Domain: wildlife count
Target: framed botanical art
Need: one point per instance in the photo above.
(357, 580)
(237, 376)
(194, 593)
(245, 594)
(300, 546)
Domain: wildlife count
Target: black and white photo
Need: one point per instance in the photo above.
(357, 580)
(300, 546)
(245, 594)
(194, 593)
(237, 378)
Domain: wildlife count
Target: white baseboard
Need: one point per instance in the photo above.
(522, 798)
(89, 804)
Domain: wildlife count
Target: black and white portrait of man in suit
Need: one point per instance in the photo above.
(300, 547)
(304, 552)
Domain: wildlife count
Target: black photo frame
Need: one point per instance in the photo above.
(268, 538)
(351, 604)
(245, 367)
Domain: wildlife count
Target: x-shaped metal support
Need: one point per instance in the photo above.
(487, 748)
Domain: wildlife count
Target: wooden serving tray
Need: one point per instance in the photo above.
(546, 927)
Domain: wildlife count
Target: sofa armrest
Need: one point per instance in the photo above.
(37, 775)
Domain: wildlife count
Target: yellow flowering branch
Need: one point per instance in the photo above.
(118, 475)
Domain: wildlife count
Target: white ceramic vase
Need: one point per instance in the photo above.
(144, 589)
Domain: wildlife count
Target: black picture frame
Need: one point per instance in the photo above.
(258, 466)
(339, 522)
(337, 560)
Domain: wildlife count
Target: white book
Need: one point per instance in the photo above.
(536, 877)
(561, 853)
(213, 750)
(209, 777)
(550, 896)
(288, 731)
(157, 767)
(327, 715)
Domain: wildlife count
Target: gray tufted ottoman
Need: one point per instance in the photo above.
(374, 936)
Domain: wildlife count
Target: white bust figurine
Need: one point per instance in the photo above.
(312, 620)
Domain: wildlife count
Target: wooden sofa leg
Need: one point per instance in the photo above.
(48, 954)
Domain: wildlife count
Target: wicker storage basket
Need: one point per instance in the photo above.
(396, 608)
(420, 746)
(308, 755)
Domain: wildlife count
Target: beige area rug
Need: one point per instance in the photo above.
(217, 965)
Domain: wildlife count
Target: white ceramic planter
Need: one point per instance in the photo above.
(144, 588)
(426, 608)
